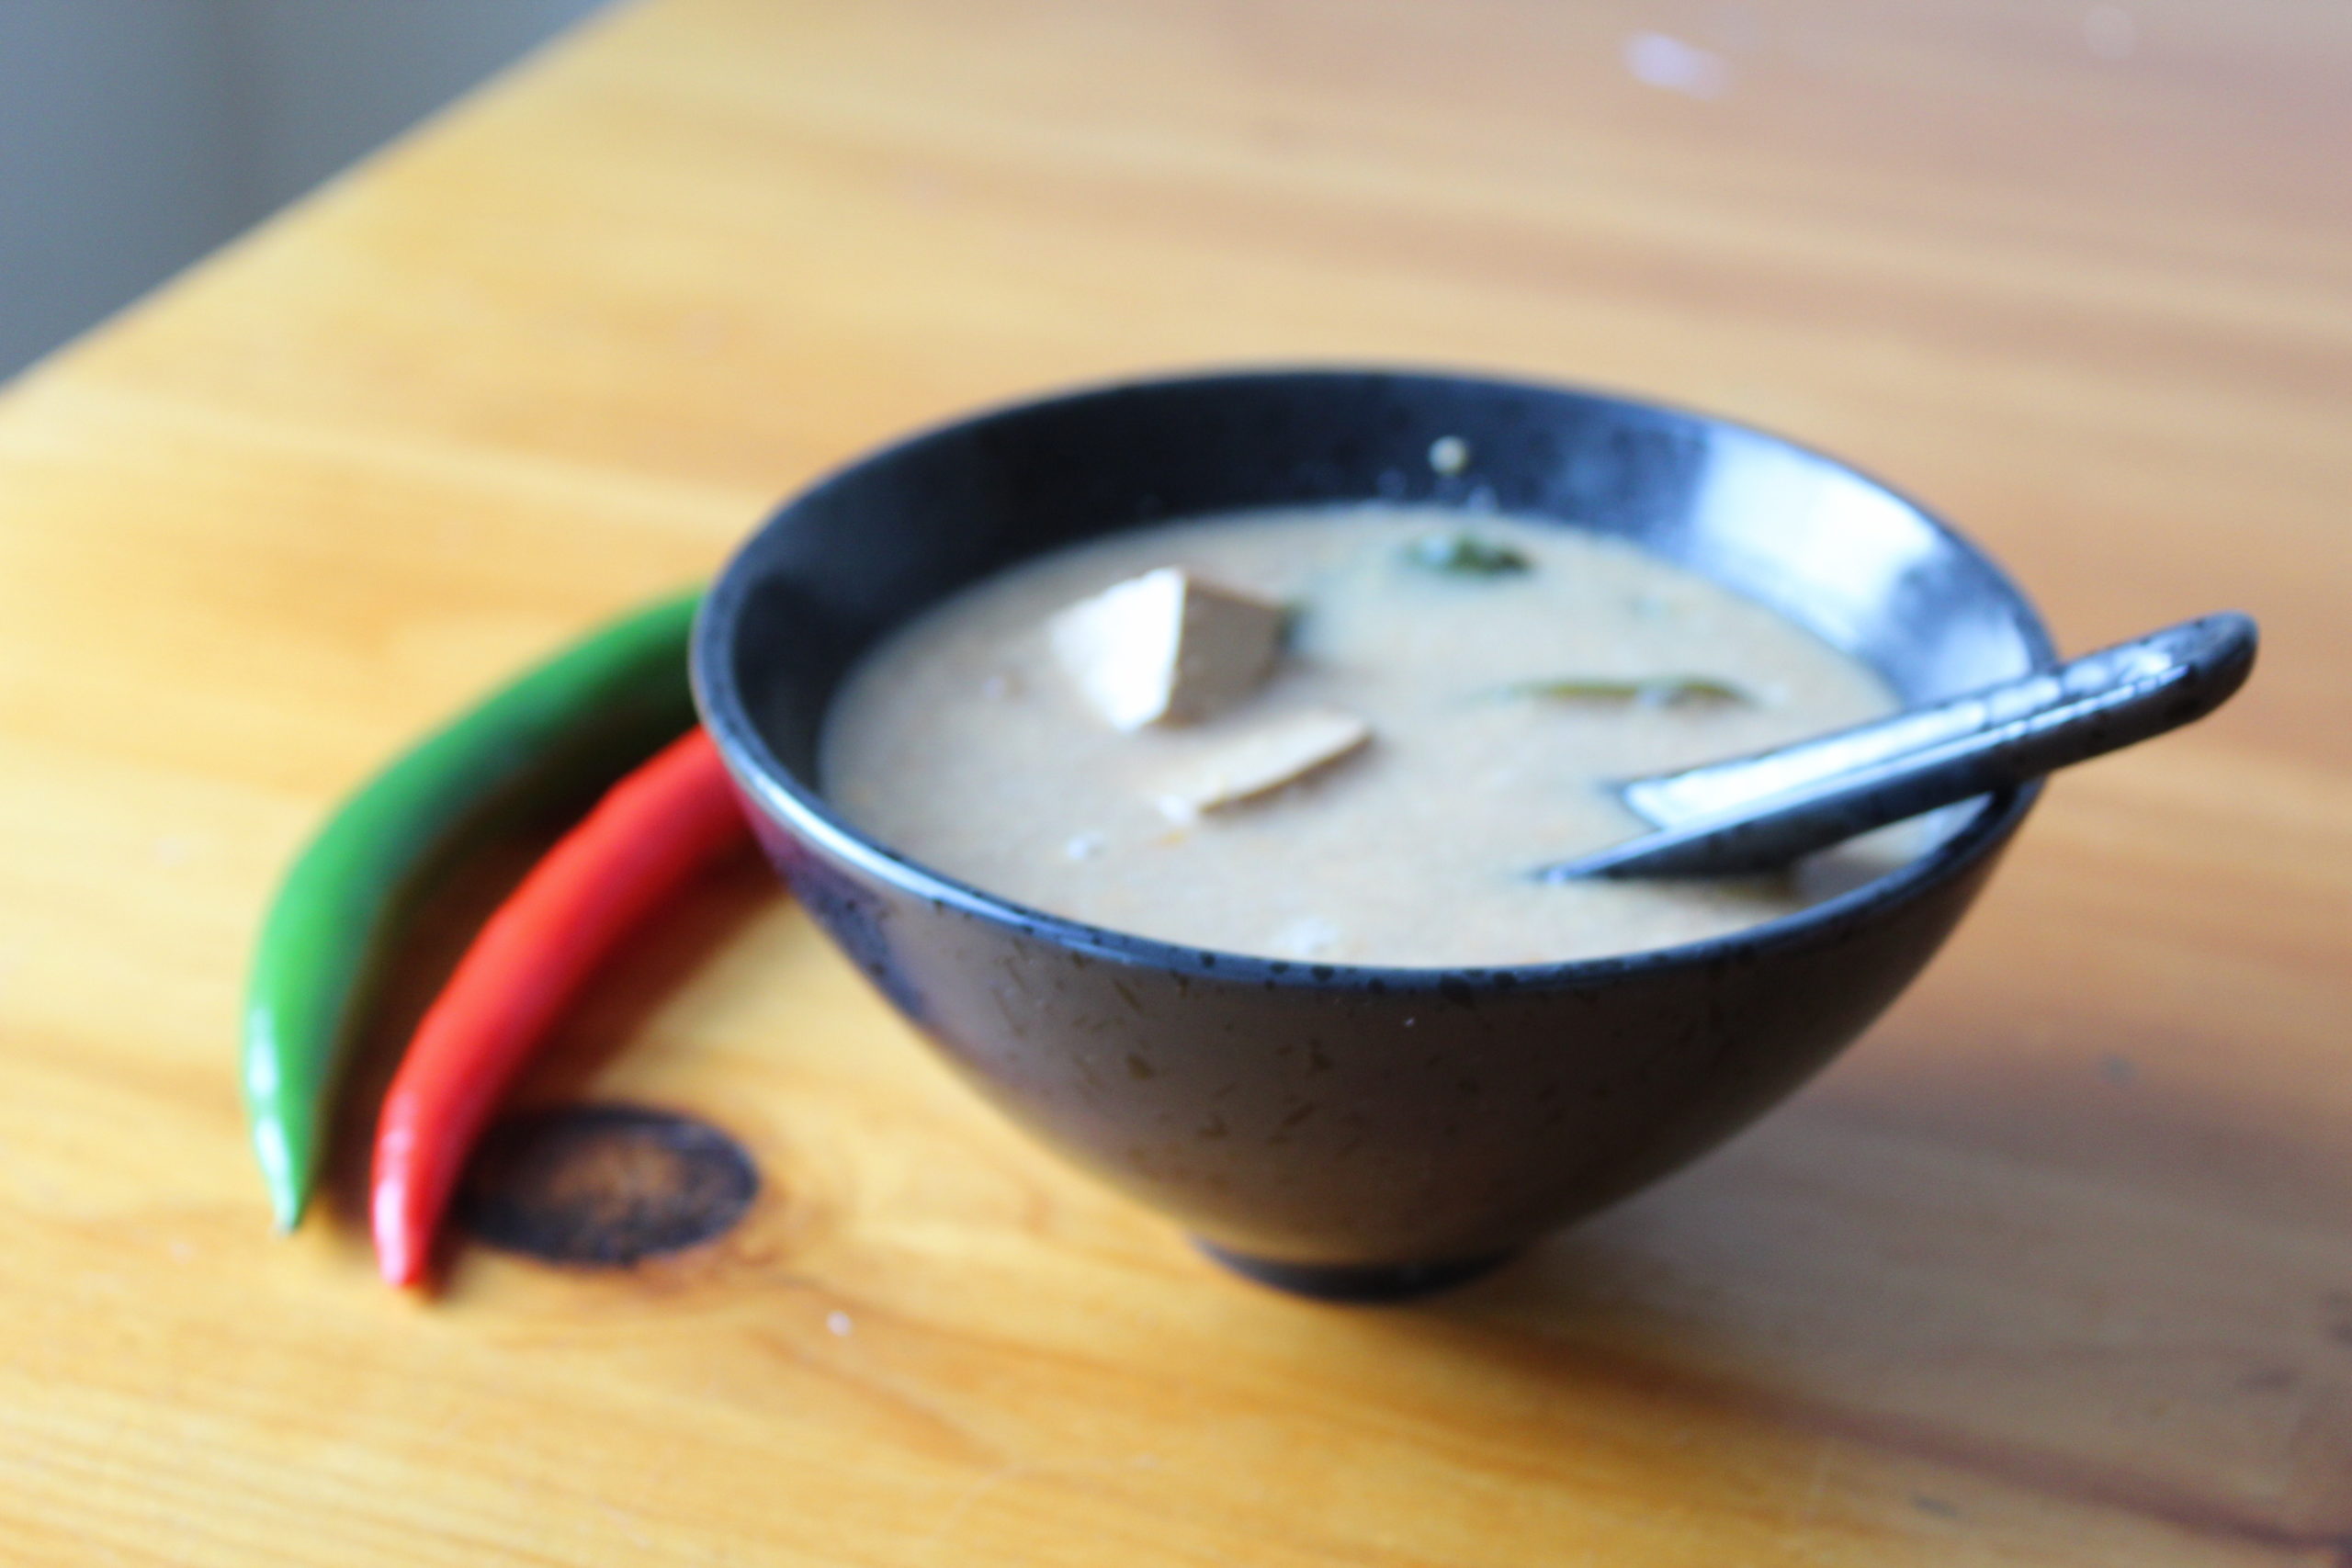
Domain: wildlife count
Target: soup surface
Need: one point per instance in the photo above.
(1505, 671)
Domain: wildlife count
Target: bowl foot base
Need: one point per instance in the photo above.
(1365, 1282)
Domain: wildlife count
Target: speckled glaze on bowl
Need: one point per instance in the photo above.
(1338, 1130)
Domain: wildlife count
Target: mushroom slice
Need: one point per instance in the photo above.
(1167, 647)
(1262, 759)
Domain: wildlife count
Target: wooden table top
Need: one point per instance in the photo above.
(2054, 1267)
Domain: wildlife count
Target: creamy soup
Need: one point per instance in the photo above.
(1381, 720)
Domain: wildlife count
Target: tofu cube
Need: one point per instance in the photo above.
(1262, 758)
(1167, 647)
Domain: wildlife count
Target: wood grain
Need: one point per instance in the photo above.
(2053, 1268)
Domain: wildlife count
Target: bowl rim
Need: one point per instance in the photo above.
(778, 792)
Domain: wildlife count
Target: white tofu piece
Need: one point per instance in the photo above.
(1167, 647)
(1262, 758)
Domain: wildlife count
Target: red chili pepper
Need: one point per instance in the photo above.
(648, 835)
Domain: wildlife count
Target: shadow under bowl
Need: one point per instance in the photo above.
(1349, 1130)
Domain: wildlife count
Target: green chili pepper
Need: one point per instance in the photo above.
(569, 727)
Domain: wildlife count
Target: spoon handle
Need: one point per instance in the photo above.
(1758, 813)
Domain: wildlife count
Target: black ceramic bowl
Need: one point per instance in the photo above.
(1340, 1130)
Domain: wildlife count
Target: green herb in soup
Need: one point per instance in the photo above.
(1456, 552)
(1646, 691)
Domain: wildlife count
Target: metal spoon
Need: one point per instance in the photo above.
(1758, 813)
